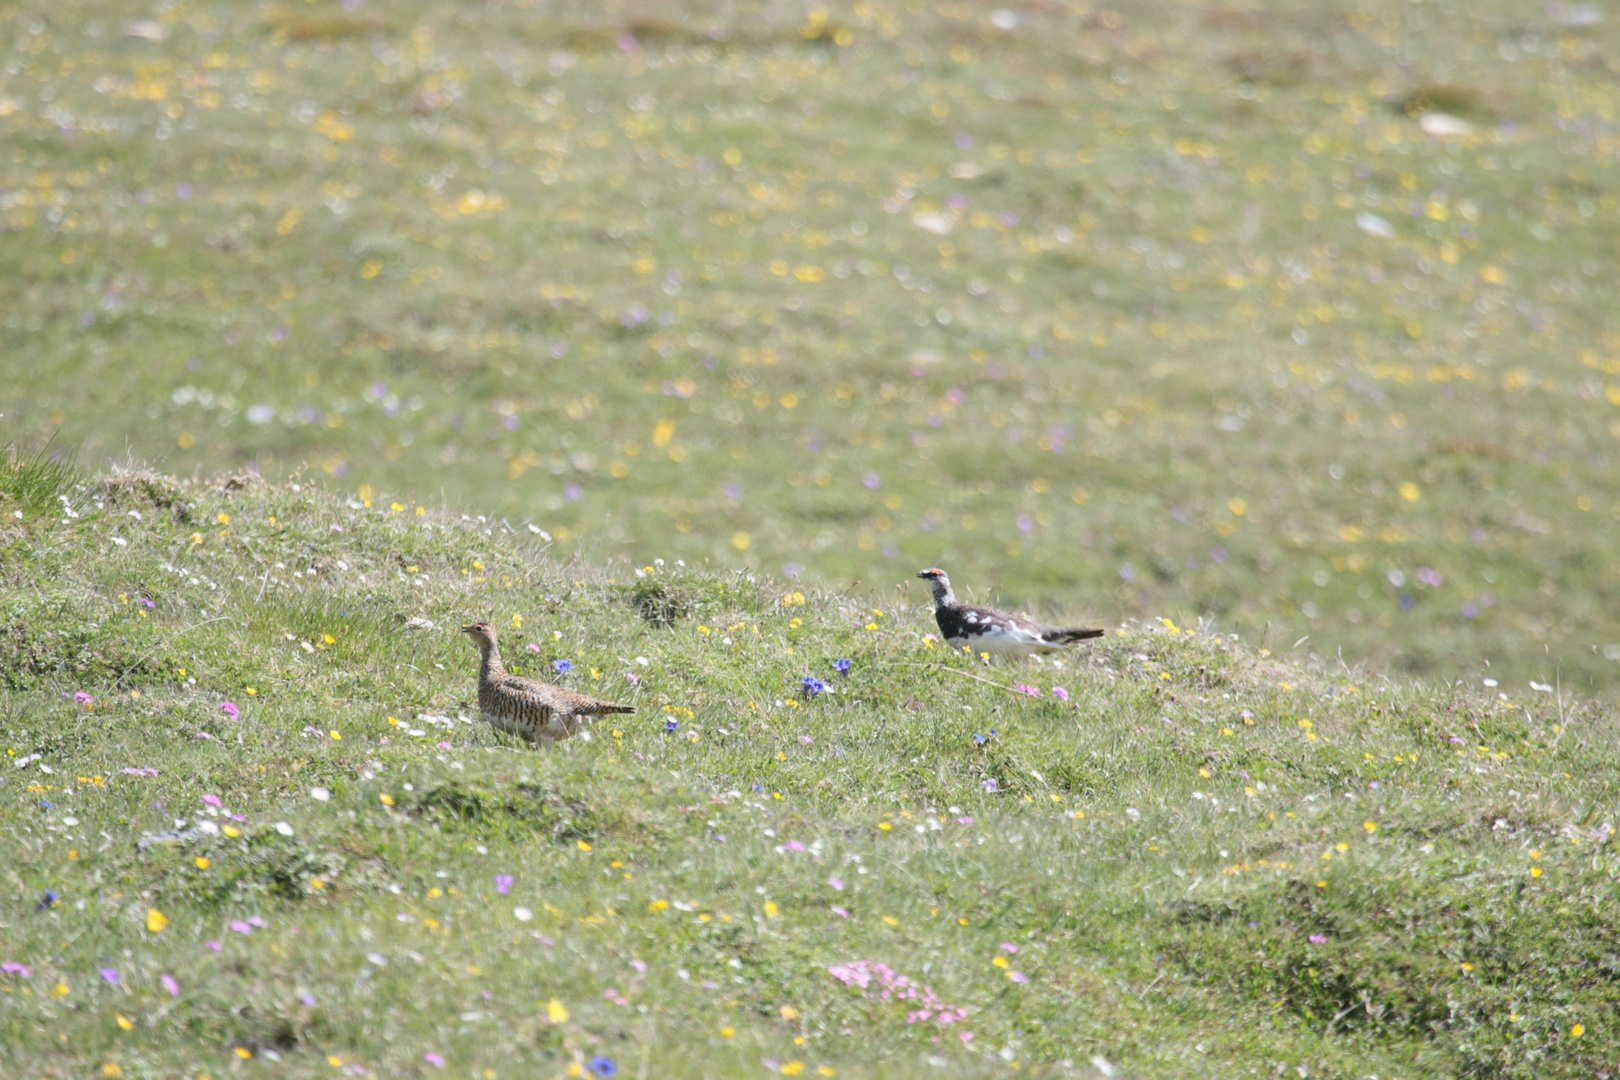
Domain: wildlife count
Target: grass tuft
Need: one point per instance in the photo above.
(296, 25)
(1455, 100)
(38, 479)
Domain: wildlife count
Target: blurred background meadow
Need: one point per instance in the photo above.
(1298, 315)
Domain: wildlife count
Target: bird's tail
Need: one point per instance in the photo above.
(1072, 633)
(601, 707)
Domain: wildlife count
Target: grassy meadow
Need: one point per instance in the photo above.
(249, 830)
(1300, 316)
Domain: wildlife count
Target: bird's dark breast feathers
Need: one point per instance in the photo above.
(954, 622)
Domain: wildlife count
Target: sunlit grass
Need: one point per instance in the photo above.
(253, 827)
(1297, 317)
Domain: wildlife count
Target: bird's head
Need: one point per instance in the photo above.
(937, 582)
(481, 632)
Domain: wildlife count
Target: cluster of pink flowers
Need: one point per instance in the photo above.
(869, 976)
(1058, 692)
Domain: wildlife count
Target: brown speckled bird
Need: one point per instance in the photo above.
(536, 711)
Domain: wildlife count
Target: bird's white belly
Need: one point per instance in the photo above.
(1005, 641)
(502, 723)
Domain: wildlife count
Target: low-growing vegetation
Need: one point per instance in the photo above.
(253, 827)
(1297, 316)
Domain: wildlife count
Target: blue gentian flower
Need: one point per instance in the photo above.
(812, 686)
(841, 665)
(563, 666)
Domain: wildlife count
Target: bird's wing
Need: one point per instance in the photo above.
(532, 690)
(1058, 633)
(969, 620)
(577, 704)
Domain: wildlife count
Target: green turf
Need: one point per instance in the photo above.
(1068, 298)
(1199, 858)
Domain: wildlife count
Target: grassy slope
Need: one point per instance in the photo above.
(1077, 305)
(1209, 860)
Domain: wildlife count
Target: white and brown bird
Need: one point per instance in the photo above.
(986, 630)
(536, 711)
